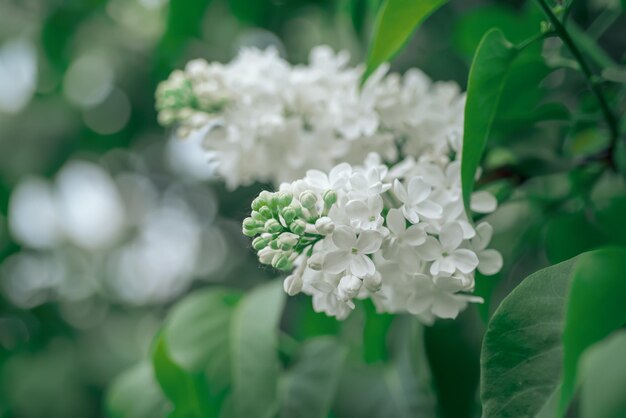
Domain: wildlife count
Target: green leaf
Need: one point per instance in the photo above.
(486, 81)
(603, 373)
(309, 387)
(135, 394)
(395, 22)
(400, 388)
(187, 391)
(254, 343)
(196, 335)
(536, 336)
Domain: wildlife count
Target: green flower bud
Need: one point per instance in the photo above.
(266, 212)
(257, 216)
(274, 244)
(250, 232)
(284, 199)
(308, 199)
(289, 214)
(281, 261)
(288, 240)
(250, 223)
(273, 226)
(257, 203)
(330, 197)
(298, 227)
(259, 243)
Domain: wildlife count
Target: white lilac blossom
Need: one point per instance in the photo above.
(264, 120)
(351, 235)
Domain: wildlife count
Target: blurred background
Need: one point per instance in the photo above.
(105, 220)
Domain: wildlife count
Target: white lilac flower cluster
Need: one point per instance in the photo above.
(399, 236)
(288, 119)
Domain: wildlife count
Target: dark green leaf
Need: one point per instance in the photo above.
(395, 22)
(308, 388)
(535, 338)
(487, 76)
(603, 376)
(254, 343)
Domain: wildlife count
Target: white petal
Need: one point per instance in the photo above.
(419, 302)
(430, 250)
(336, 262)
(410, 214)
(339, 175)
(317, 179)
(483, 202)
(484, 232)
(451, 236)
(415, 235)
(396, 222)
(429, 209)
(358, 210)
(464, 260)
(468, 230)
(447, 306)
(369, 242)
(361, 265)
(490, 262)
(400, 191)
(445, 267)
(344, 237)
(359, 182)
(375, 204)
(418, 190)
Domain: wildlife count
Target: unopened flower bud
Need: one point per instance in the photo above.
(373, 283)
(293, 284)
(284, 199)
(289, 214)
(288, 240)
(257, 203)
(298, 227)
(259, 243)
(266, 212)
(266, 255)
(349, 286)
(308, 199)
(274, 244)
(330, 198)
(250, 223)
(325, 225)
(257, 216)
(316, 261)
(281, 261)
(273, 226)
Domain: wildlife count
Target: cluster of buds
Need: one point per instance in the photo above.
(284, 226)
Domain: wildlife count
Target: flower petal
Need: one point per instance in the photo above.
(400, 191)
(464, 260)
(429, 209)
(344, 237)
(418, 190)
(430, 250)
(369, 242)
(483, 202)
(396, 222)
(451, 236)
(336, 262)
(357, 210)
(361, 265)
(484, 232)
(489, 262)
(414, 235)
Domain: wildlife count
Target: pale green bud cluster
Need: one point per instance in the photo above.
(177, 102)
(284, 226)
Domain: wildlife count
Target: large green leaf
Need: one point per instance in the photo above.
(135, 394)
(603, 373)
(254, 356)
(395, 22)
(535, 338)
(186, 390)
(487, 78)
(308, 389)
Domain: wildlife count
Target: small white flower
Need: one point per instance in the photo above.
(369, 182)
(483, 202)
(489, 260)
(365, 215)
(415, 200)
(352, 252)
(445, 253)
(336, 178)
(349, 287)
(438, 297)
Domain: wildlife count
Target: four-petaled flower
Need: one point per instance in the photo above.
(352, 252)
(415, 200)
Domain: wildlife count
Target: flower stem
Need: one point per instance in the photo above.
(562, 33)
